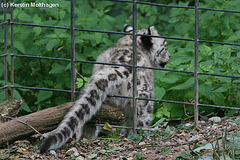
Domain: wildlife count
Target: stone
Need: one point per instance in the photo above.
(215, 119)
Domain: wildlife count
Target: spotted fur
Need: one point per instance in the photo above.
(115, 80)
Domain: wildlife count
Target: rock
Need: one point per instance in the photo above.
(165, 124)
(188, 124)
(142, 143)
(207, 146)
(215, 119)
(194, 138)
(80, 158)
(52, 152)
(73, 151)
(206, 158)
(215, 126)
(232, 124)
(201, 122)
(168, 143)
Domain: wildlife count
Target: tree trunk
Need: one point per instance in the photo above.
(48, 119)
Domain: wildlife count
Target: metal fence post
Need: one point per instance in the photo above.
(12, 56)
(196, 63)
(134, 68)
(5, 52)
(72, 50)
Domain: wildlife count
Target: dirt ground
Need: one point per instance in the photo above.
(167, 143)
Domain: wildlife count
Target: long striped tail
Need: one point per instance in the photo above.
(83, 109)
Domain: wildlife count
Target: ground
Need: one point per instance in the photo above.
(183, 141)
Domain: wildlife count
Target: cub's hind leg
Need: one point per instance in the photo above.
(144, 114)
(128, 113)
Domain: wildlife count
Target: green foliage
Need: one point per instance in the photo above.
(139, 156)
(185, 156)
(92, 156)
(111, 16)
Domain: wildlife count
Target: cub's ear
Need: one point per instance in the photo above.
(127, 28)
(147, 40)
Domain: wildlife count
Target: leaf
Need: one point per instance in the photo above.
(234, 36)
(162, 112)
(205, 89)
(92, 156)
(114, 148)
(52, 43)
(176, 60)
(23, 16)
(37, 30)
(225, 157)
(57, 68)
(19, 45)
(207, 146)
(217, 98)
(87, 68)
(224, 79)
(187, 84)
(213, 32)
(79, 82)
(2, 95)
(1, 70)
(221, 89)
(184, 155)
(43, 95)
(107, 126)
(159, 92)
(36, 19)
(24, 105)
(169, 78)
(62, 14)
(205, 50)
(159, 122)
(207, 65)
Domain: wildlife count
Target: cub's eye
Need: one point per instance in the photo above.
(160, 51)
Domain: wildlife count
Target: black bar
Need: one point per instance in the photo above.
(6, 22)
(101, 31)
(12, 58)
(164, 5)
(218, 75)
(219, 10)
(124, 65)
(134, 64)
(73, 50)
(121, 1)
(3, 55)
(215, 106)
(188, 7)
(40, 57)
(123, 33)
(119, 96)
(223, 43)
(6, 86)
(196, 114)
(38, 25)
(167, 101)
(5, 52)
(45, 89)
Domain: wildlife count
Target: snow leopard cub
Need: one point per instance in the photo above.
(115, 80)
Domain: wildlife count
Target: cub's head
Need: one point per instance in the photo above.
(156, 46)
